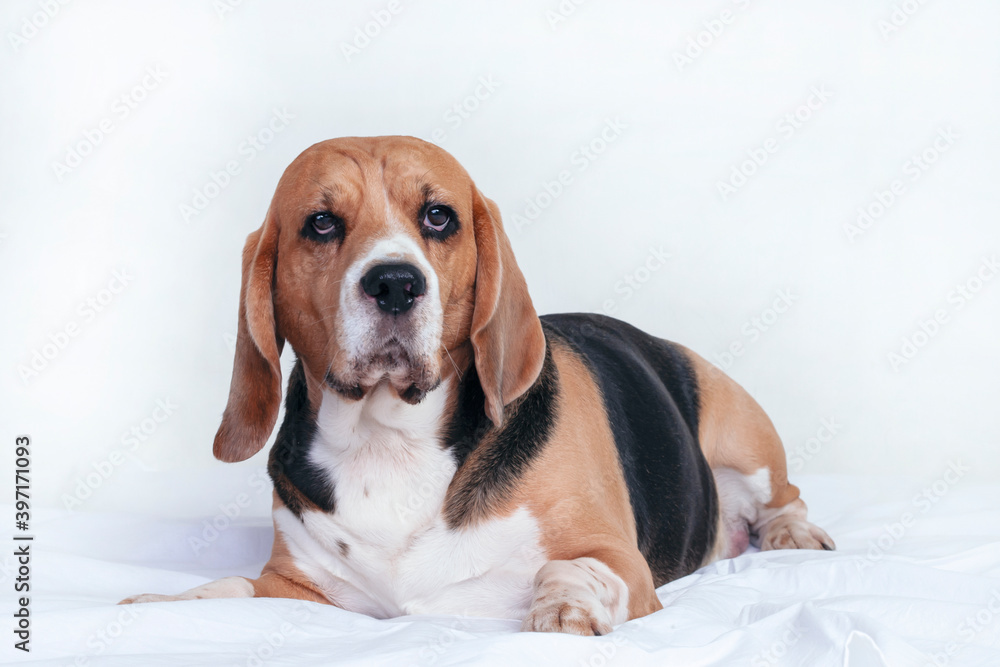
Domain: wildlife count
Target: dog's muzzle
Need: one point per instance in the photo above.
(391, 340)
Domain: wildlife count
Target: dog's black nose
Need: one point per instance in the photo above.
(394, 286)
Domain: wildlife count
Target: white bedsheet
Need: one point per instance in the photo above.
(930, 596)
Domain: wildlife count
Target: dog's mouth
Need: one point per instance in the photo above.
(410, 376)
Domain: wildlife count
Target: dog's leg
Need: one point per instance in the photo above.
(770, 504)
(268, 585)
(749, 515)
(786, 527)
(757, 502)
(227, 587)
(591, 594)
(280, 578)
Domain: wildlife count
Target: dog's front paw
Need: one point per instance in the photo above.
(557, 613)
(579, 597)
(149, 597)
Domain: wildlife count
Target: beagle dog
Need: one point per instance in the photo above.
(444, 449)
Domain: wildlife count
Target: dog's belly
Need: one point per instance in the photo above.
(486, 570)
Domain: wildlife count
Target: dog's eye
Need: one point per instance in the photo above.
(438, 218)
(323, 227)
(323, 223)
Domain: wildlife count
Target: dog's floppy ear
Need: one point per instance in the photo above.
(255, 390)
(506, 333)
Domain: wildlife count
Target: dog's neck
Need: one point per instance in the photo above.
(379, 422)
(384, 461)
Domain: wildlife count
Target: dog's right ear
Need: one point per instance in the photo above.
(255, 390)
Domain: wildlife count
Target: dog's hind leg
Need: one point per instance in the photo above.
(757, 502)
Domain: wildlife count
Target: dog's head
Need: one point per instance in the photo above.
(379, 261)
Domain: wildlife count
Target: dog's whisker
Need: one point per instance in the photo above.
(458, 372)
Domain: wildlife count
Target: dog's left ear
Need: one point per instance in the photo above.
(506, 333)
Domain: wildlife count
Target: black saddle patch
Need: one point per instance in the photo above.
(650, 392)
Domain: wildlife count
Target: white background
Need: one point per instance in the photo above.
(167, 335)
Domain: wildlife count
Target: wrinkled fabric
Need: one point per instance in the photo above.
(911, 583)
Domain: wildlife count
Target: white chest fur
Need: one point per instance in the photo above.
(386, 550)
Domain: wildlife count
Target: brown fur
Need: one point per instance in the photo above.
(468, 502)
(280, 578)
(506, 332)
(576, 489)
(484, 296)
(255, 392)
(735, 432)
